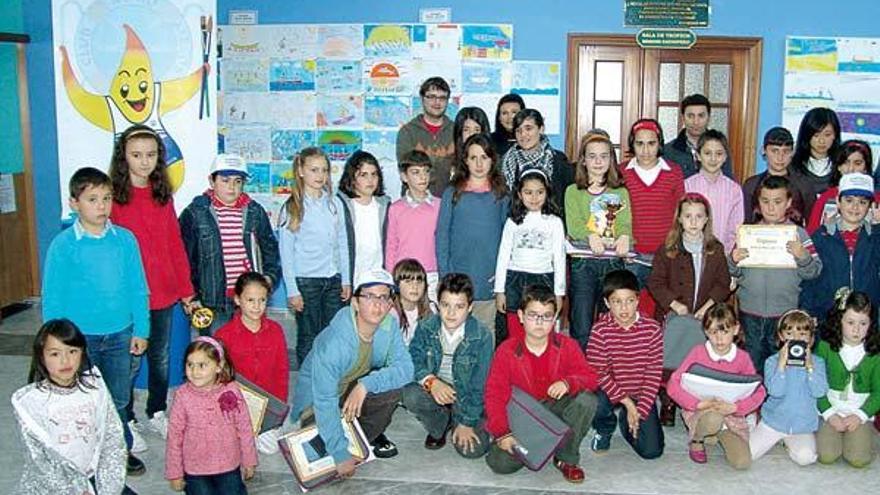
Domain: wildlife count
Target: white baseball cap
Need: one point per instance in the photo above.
(229, 164)
(377, 276)
(856, 184)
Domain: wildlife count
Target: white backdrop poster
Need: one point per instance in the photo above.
(125, 62)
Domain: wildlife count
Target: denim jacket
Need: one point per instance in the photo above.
(470, 365)
(201, 239)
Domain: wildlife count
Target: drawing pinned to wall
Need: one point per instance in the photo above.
(273, 204)
(258, 182)
(485, 78)
(387, 40)
(858, 55)
(452, 106)
(252, 143)
(242, 108)
(339, 76)
(487, 42)
(292, 75)
(281, 177)
(548, 105)
(297, 41)
(339, 145)
(436, 41)
(387, 77)
(292, 110)
(383, 145)
(811, 54)
(286, 143)
(487, 102)
(386, 112)
(536, 78)
(245, 75)
(449, 70)
(340, 111)
(341, 41)
(246, 41)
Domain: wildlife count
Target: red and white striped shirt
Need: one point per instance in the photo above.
(653, 206)
(230, 222)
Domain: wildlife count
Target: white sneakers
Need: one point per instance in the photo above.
(159, 424)
(138, 444)
(267, 443)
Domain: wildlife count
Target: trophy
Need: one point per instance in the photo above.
(202, 318)
(611, 211)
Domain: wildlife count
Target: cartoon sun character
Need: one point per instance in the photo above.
(135, 98)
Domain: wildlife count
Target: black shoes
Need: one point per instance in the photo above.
(432, 443)
(383, 448)
(134, 466)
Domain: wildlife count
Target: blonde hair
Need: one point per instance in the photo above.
(672, 244)
(294, 204)
(612, 179)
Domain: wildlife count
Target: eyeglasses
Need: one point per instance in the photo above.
(383, 300)
(536, 318)
(433, 97)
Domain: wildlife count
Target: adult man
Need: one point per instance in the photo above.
(695, 111)
(431, 132)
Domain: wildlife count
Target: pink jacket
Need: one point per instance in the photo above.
(410, 233)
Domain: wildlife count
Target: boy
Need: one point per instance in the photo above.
(417, 211)
(627, 351)
(849, 249)
(356, 368)
(94, 277)
(777, 150)
(551, 368)
(431, 132)
(695, 114)
(451, 354)
(226, 234)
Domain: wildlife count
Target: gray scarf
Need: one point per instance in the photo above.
(516, 160)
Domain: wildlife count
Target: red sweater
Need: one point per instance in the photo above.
(260, 357)
(629, 361)
(653, 207)
(514, 365)
(157, 232)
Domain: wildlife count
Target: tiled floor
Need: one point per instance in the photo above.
(418, 471)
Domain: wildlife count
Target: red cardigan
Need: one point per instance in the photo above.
(260, 357)
(653, 207)
(510, 367)
(157, 232)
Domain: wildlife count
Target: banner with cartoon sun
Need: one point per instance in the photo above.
(124, 62)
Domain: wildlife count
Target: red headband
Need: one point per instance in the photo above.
(691, 196)
(646, 125)
(861, 148)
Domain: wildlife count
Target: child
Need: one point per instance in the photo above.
(717, 419)
(848, 247)
(472, 214)
(766, 293)
(598, 212)
(417, 211)
(723, 193)
(532, 249)
(314, 249)
(626, 349)
(68, 423)
(789, 414)
(854, 156)
(551, 368)
(654, 186)
(210, 439)
(818, 140)
(777, 150)
(412, 304)
(210, 226)
(851, 350)
(93, 275)
(468, 121)
(365, 209)
(142, 203)
(451, 354)
(256, 345)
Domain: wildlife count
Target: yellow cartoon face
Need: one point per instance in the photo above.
(132, 88)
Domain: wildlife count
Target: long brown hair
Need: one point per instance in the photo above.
(722, 315)
(673, 243)
(294, 204)
(160, 184)
(411, 269)
(612, 177)
(463, 173)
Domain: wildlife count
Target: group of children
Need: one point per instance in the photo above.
(479, 276)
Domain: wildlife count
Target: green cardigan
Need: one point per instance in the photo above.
(866, 379)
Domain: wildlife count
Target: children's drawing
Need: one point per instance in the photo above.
(245, 75)
(252, 143)
(341, 41)
(487, 42)
(340, 112)
(387, 40)
(292, 75)
(386, 112)
(387, 77)
(339, 76)
(286, 143)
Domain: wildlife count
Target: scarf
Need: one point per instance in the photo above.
(516, 160)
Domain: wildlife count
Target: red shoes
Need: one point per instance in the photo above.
(571, 472)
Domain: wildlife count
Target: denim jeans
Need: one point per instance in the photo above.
(586, 295)
(159, 345)
(228, 483)
(760, 334)
(650, 441)
(641, 272)
(514, 287)
(111, 354)
(437, 419)
(321, 302)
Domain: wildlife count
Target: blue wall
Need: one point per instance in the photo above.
(539, 34)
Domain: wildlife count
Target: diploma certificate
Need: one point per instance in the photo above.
(766, 245)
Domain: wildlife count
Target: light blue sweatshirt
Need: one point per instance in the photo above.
(791, 396)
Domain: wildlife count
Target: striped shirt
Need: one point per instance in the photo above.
(653, 206)
(230, 222)
(629, 360)
(726, 201)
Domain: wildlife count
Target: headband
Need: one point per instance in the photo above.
(646, 125)
(213, 343)
(861, 148)
(796, 311)
(841, 297)
(533, 171)
(695, 196)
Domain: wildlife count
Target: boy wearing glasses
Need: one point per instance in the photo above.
(356, 369)
(626, 349)
(451, 354)
(431, 132)
(551, 368)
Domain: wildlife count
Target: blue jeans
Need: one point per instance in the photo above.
(586, 295)
(514, 286)
(228, 483)
(321, 302)
(650, 441)
(111, 354)
(159, 345)
(760, 334)
(641, 272)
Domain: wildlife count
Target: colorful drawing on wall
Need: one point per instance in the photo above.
(292, 110)
(383, 145)
(339, 76)
(451, 108)
(487, 42)
(859, 123)
(486, 102)
(242, 108)
(292, 75)
(252, 143)
(386, 112)
(246, 41)
(484, 77)
(811, 54)
(535, 78)
(341, 41)
(281, 177)
(339, 145)
(387, 40)
(286, 143)
(245, 75)
(387, 77)
(449, 70)
(858, 55)
(259, 178)
(437, 41)
(297, 41)
(139, 63)
(340, 112)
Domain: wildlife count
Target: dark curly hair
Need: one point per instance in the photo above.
(832, 329)
(352, 166)
(119, 173)
(518, 209)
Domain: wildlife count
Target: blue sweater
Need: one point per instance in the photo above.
(468, 235)
(333, 355)
(791, 396)
(96, 282)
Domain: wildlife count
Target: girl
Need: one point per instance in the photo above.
(707, 418)
(412, 304)
(256, 345)
(468, 121)
(210, 439)
(599, 213)
(68, 423)
(532, 249)
(472, 213)
(365, 208)
(143, 204)
(854, 156)
(314, 249)
(789, 414)
(725, 195)
(851, 350)
(503, 136)
(818, 140)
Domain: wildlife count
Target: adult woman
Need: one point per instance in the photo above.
(503, 137)
(468, 121)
